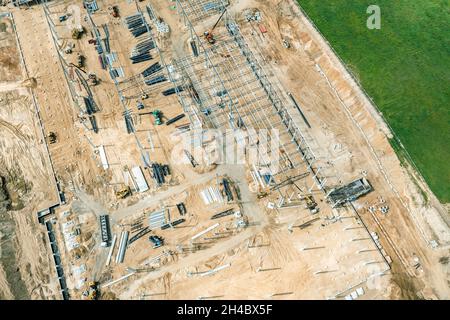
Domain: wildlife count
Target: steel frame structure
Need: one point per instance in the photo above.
(253, 98)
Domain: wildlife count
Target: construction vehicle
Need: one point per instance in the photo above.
(209, 36)
(52, 137)
(123, 193)
(91, 293)
(311, 204)
(80, 61)
(92, 79)
(68, 49)
(64, 17)
(157, 114)
(77, 32)
(113, 11)
(261, 195)
(144, 96)
(157, 241)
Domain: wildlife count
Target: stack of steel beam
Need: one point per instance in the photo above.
(151, 70)
(143, 47)
(128, 122)
(171, 91)
(159, 172)
(136, 25)
(155, 80)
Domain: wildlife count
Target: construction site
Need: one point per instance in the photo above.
(199, 149)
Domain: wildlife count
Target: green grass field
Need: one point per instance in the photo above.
(404, 67)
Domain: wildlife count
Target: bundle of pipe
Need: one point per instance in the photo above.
(128, 122)
(139, 235)
(171, 91)
(155, 80)
(223, 214)
(227, 189)
(181, 208)
(159, 172)
(143, 47)
(89, 105)
(122, 247)
(172, 224)
(113, 73)
(210, 195)
(93, 123)
(136, 25)
(107, 47)
(194, 48)
(102, 62)
(141, 58)
(181, 116)
(151, 70)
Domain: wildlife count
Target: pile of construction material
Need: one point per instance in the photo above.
(376, 239)
(175, 119)
(172, 224)
(191, 158)
(355, 294)
(122, 246)
(139, 235)
(128, 121)
(227, 189)
(155, 80)
(136, 24)
(253, 16)
(262, 179)
(181, 208)
(142, 48)
(151, 70)
(171, 91)
(70, 235)
(161, 26)
(159, 172)
(211, 195)
(223, 214)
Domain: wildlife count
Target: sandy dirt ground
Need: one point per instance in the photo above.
(282, 253)
(331, 100)
(24, 164)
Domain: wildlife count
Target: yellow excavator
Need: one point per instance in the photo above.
(123, 193)
(91, 293)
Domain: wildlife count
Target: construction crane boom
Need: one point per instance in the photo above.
(209, 36)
